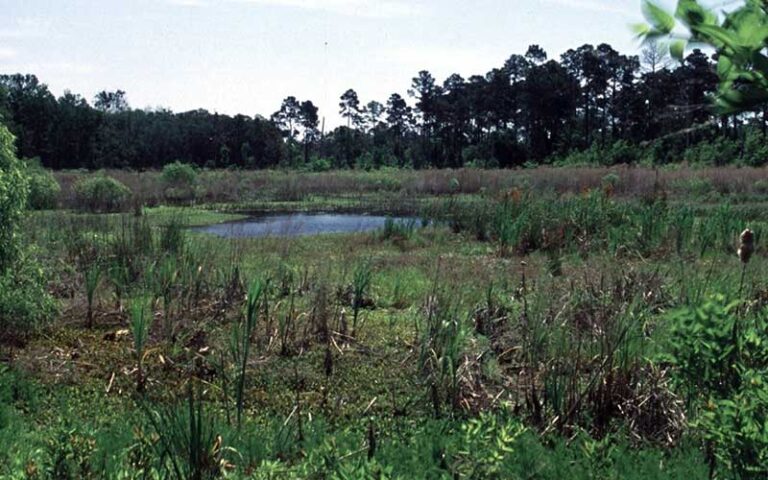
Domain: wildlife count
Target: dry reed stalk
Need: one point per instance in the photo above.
(745, 251)
(746, 246)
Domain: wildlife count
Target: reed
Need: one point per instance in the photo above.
(140, 309)
(188, 446)
(240, 342)
(166, 276)
(92, 279)
(361, 283)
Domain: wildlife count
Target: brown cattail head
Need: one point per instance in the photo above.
(746, 245)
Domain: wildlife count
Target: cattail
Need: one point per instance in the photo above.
(746, 246)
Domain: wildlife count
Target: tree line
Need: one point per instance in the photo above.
(531, 109)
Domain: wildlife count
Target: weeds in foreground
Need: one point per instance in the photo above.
(92, 279)
(568, 345)
(141, 322)
(166, 276)
(361, 283)
(443, 343)
(189, 447)
(240, 343)
(118, 276)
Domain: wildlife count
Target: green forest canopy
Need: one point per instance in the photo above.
(531, 109)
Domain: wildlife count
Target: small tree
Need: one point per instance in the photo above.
(14, 188)
(24, 301)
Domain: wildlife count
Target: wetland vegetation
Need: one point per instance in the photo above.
(531, 330)
(598, 312)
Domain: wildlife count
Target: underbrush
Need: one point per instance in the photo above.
(516, 336)
(190, 439)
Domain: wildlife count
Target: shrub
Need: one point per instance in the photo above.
(23, 299)
(610, 181)
(694, 186)
(14, 188)
(178, 173)
(621, 152)
(43, 188)
(716, 152)
(761, 187)
(24, 302)
(720, 361)
(319, 164)
(755, 149)
(100, 193)
(179, 180)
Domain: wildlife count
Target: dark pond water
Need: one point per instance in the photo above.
(297, 224)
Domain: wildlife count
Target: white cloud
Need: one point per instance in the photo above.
(189, 3)
(601, 6)
(444, 60)
(51, 69)
(7, 53)
(27, 27)
(355, 8)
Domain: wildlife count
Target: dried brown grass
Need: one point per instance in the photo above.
(228, 186)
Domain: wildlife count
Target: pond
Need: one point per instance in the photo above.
(298, 224)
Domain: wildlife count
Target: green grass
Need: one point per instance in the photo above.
(535, 360)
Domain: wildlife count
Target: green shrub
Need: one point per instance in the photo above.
(717, 152)
(178, 173)
(319, 164)
(620, 152)
(761, 187)
(23, 299)
(25, 304)
(610, 181)
(755, 149)
(14, 188)
(179, 180)
(694, 186)
(43, 188)
(100, 193)
(721, 362)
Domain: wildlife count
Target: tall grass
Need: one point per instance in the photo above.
(443, 340)
(361, 283)
(189, 447)
(166, 276)
(141, 322)
(221, 186)
(595, 223)
(92, 279)
(240, 343)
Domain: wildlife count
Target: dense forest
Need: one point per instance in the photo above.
(530, 110)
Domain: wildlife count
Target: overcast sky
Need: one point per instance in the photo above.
(245, 56)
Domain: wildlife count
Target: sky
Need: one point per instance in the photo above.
(245, 56)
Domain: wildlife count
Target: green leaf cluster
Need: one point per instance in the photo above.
(739, 37)
(721, 360)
